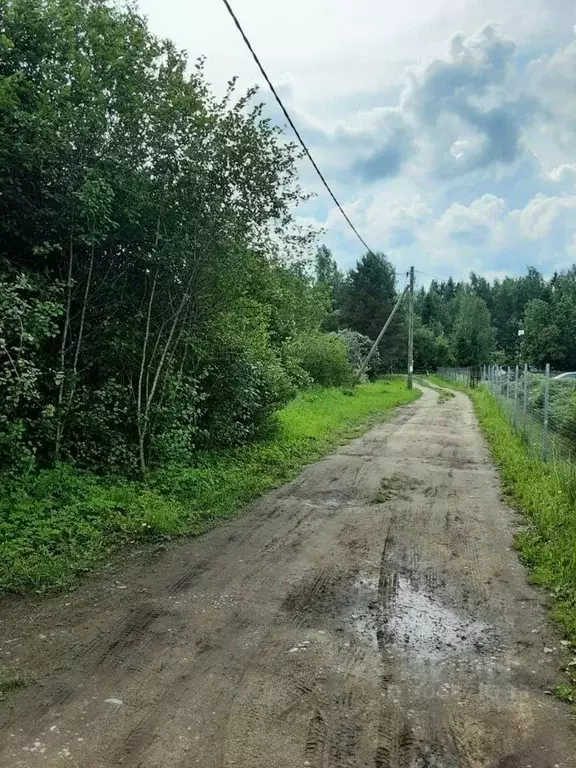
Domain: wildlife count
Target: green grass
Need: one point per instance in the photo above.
(441, 382)
(546, 494)
(10, 681)
(62, 522)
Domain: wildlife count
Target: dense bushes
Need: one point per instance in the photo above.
(29, 311)
(245, 383)
(324, 358)
(357, 348)
(151, 273)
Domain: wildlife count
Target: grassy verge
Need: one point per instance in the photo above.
(62, 522)
(546, 493)
(440, 382)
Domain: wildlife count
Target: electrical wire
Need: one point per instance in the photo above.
(291, 122)
(419, 271)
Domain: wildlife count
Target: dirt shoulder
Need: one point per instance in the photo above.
(371, 613)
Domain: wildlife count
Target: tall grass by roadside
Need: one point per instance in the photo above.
(440, 382)
(62, 522)
(546, 493)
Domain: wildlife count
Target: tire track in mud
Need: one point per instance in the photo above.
(405, 747)
(186, 579)
(344, 745)
(316, 742)
(396, 745)
(387, 588)
(112, 651)
(336, 746)
(127, 751)
(300, 604)
(384, 756)
(395, 738)
(104, 654)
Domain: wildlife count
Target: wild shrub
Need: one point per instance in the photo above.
(324, 357)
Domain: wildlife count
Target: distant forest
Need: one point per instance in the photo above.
(472, 322)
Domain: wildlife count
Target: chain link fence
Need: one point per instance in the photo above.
(540, 405)
(467, 377)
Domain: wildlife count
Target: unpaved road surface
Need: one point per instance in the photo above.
(369, 614)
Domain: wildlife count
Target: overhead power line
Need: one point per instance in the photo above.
(291, 122)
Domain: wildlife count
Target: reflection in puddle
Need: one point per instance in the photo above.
(415, 621)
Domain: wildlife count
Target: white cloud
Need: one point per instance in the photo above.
(542, 216)
(564, 174)
(451, 157)
(455, 115)
(486, 236)
(477, 225)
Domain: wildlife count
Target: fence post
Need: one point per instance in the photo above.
(507, 382)
(525, 404)
(546, 403)
(516, 398)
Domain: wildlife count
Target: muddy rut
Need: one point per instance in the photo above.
(371, 614)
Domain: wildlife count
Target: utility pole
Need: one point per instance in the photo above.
(411, 329)
(380, 335)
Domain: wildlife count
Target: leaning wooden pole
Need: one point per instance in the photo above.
(380, 335)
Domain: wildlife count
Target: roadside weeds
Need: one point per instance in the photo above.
(62, 522)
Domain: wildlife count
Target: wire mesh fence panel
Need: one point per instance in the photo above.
(541, 407)
(457, 375)
(539, 404)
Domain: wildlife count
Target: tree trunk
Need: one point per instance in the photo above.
(65, 331)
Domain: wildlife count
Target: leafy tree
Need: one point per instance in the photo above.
(563, 304)
(29, 313)
(444, 355)
(473, 339)
(358, 346)
(481, 287)
(448, 290)
(369, 296)
(145, 206)
(542, 339)
(326, 269)
(425, 357)
(329, 280)
(435, 309)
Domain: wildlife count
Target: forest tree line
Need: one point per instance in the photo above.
(458, 323)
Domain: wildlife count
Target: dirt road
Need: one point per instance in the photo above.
(369, 614)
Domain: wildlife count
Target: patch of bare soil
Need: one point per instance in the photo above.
(371, 613)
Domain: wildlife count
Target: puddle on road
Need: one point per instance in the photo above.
(423, 626)
(414, 621)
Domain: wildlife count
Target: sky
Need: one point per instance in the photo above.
(446, 128)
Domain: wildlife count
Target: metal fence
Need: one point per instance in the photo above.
(540, 405)
(467, 377)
